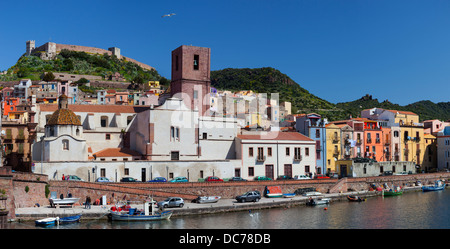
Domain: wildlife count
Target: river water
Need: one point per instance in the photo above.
(412, 210)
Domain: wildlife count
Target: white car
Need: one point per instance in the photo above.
(301, 177)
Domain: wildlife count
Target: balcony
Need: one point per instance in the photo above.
(260, 158)
(377, 140)
(335, 139)
(297, 158)
(369, 140)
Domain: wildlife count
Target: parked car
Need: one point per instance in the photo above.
(102, 179)
(213, 179)
(179, 179)
(73, 178)
(262, 178)
(158, 179)
(301, 177)
(320, 176)
(386, 173)
(128, 179)
(237, 179)
(172, 202)
(283, 177)
(249, 196)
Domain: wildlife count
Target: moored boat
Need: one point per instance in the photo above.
(312, 193)
(207, 199)
(63, 201)
(289, 195)
(322, 201)
(149, 213)
(438, 185)
(273, 192)
(355, 198)
(392, 192)
(46, 222)
(70, 219)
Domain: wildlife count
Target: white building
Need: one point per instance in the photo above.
(443, 145)
(273, 154)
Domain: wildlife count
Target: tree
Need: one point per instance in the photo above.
(48, 77)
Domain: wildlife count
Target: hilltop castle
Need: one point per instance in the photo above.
(49, 50)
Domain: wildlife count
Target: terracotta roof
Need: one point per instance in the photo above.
(63, 117)
(96, 108)
(402, 112)
(116, 152)
(273, 135)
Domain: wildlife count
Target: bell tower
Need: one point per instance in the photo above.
(191, 77)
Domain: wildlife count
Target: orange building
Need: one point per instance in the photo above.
(373, 144)
(10, 105)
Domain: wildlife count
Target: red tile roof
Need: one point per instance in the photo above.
(116, 152)
(96, 108)
(273, 135)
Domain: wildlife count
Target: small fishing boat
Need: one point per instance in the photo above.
(64, 201)
(273, 192)
(289, 195)
(322, 201)
(46, 222)
(70, 219)
(312, 193)
(150, 213)
(207, 199)
(438, 185)
(355, 198)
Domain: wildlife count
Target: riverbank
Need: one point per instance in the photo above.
(223, 205)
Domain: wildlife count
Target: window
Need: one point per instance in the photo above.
(103, 121)
(269, 151)
(260, 153)
(196, 61)
(65, 144)
(306, 151)
(108, 136)
(317, 133)
(205, 135)
(250, 152)
(287, 151)
(103, 172)
(174, 155)
(174, 133)
(251, 171)
(297, 155)
(195, 94)
(127, 171)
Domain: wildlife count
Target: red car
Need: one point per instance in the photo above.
(213, 179)
(320, 176)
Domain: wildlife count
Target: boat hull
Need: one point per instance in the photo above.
(70, 219)
(432, 188)
(392, 193)
(46, 222)
(289, 195)
(65, 201)
(117, 216)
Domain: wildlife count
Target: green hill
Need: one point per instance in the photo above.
(269, 80)
(74, 62)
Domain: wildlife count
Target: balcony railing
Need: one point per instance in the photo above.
(297, 158)
(260, 158)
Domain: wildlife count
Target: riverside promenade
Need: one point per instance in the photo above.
(223, 205)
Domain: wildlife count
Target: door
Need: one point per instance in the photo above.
(143, 174)
(288, 170)
(343, 170)
(269, 171)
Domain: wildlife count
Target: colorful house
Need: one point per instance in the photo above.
(313, 126)
(333, 145)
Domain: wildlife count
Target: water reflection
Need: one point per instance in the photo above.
(409, 211)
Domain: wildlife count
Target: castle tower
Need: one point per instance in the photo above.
(115, 51)
(31, 45)
(191, 77)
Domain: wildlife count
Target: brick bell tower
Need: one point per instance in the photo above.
(191, 77)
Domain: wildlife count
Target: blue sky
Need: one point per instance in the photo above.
(339, 50)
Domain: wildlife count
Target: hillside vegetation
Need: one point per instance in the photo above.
(75, 62)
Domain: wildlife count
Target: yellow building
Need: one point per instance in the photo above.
(333, 140)
(411, 137)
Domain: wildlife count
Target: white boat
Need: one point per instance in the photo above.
(149, 213)
(64, 201)
(313, 193)
(322, 201)
(47, 222)
(207, 199)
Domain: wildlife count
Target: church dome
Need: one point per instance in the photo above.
(63, 116)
